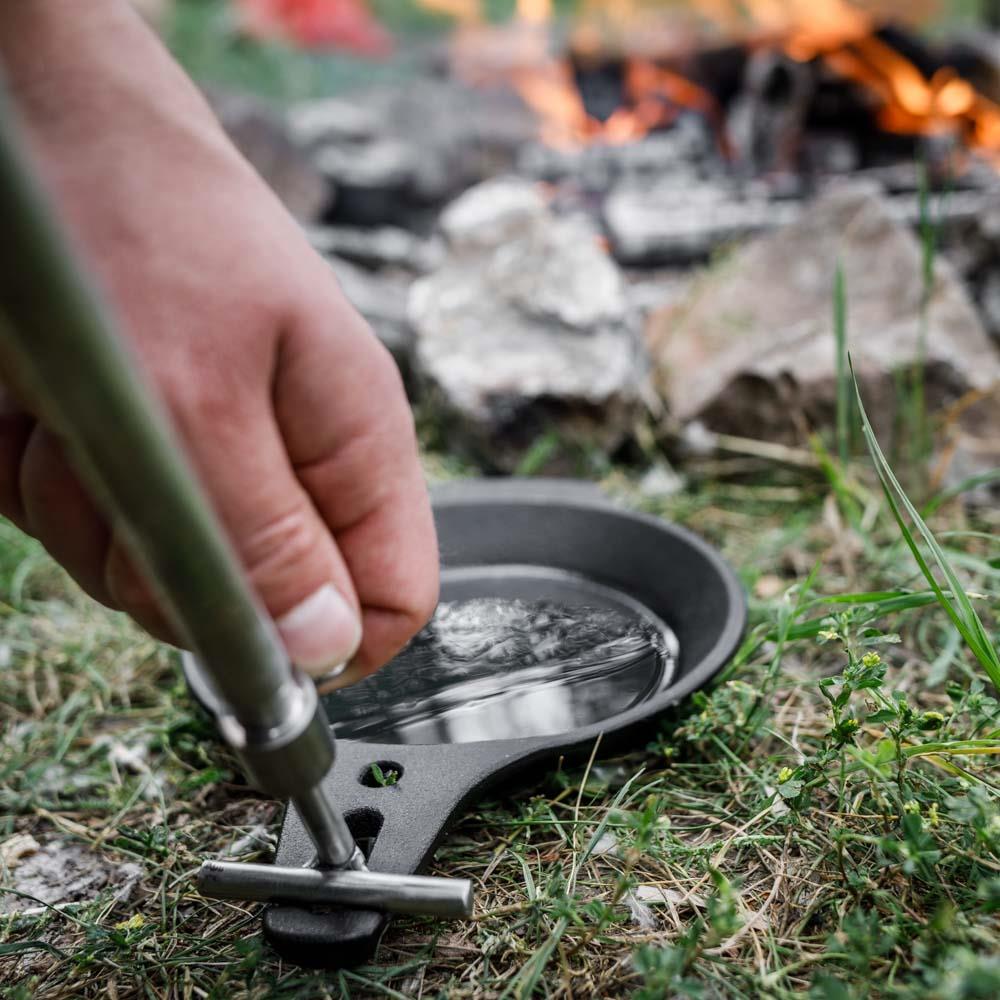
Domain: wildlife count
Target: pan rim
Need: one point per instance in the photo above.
(585, 496)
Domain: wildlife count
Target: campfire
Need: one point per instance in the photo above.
(621, 71)
(526, 219)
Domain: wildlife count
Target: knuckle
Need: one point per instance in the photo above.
(278, 544)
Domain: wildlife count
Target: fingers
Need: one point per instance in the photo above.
(133, 595)
(347, 426)
(16, 425)
(60, 514)
(286, 548)
(15, 431)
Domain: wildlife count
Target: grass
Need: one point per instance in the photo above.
(824, 819)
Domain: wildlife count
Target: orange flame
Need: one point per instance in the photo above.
(837, 32)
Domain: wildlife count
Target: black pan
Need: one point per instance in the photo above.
(527, 540)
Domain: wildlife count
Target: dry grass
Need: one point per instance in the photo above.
(855, 872)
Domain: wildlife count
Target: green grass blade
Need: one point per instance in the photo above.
(957, 604)
(843, 375)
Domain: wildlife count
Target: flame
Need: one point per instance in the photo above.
(837, 32)
(844, 37)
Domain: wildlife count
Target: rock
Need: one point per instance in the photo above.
(384, 163)
(677, 220)
(989, 303)
(971, 447)
(491, 213)
(750, 350)
(393, 151)
(679, 217)
(260, 133)
(526, 336)
(463, 135)
(63, 872)
(684, 148)
(382, 246)
(374, 180)
(331, 120)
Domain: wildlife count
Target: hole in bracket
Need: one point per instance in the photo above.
(381, 774)
(364, 825)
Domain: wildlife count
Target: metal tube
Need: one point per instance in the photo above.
(58, 349)
(366, 890)
(333, 840)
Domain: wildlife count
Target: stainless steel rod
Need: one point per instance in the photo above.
(330, 834)
(58, 347)
(366, 890)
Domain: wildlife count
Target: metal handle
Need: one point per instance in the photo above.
(59, 347)
(439, 897)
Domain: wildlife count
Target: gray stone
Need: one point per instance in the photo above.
(676, 221)
(492, 212)
(463, 135)
(260, 133)
(679, 218)
(381, 246)
(383, 163)
(750, 350)
(680, 151)
(971, 447)
(330, 120)
(393, 150)
(526, 337)
(66, 872)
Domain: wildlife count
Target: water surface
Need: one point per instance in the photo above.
(496, 668)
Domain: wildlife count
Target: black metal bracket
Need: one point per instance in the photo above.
(398, 826)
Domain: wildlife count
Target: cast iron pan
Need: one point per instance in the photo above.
(529, 540)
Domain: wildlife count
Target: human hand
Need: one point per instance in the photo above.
(292, 413)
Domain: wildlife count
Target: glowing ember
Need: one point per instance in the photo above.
(841, 35)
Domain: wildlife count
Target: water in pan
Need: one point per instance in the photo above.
(489, 668)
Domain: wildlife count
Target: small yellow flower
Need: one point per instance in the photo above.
(132, 924)
(871, 660)
(932, 815)
(828, 634)
(912, 807)
(784, 774)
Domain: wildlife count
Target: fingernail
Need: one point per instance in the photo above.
(322, 633)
